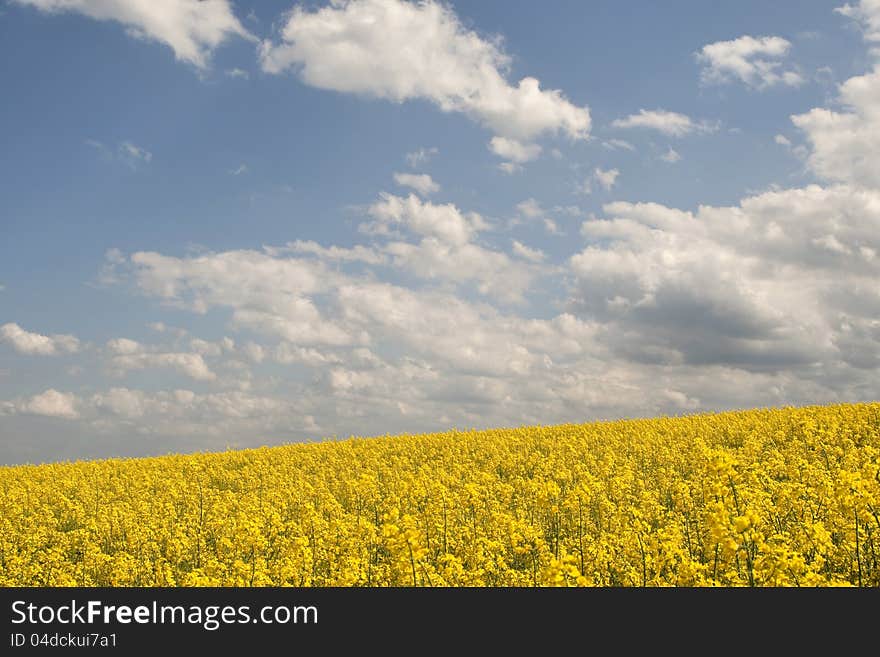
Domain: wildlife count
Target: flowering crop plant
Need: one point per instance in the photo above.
(781, 497)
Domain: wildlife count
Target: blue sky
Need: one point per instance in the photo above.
(235, 224)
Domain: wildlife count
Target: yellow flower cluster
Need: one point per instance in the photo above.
(764, 498)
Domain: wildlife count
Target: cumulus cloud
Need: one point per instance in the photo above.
(124, 347)
(607, 179)
(122, 402)
(436, 321)
(212, 349)
(530, 209)
(191, 365)
(50, 403)
(357, 253)
(446, 249)
(25, 342)
(125, 355)
(422, 183)
(868, 13)
(749, 286)
(484, 341)
(269, 295)
(513, 150)
(527, 253)
(754, 61)
(844, 143)
(769, 301)
(193, 29)
(493, 273)
(174, 413)
(671, 124)
(442, 221)
(254, 352)
(287, 353)
(551, 226)
(355, 46)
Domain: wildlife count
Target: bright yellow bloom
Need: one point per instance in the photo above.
(784, 497)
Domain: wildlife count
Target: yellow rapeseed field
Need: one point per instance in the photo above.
(765, 498)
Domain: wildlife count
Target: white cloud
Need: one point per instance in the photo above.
(756, 62)
(161, 327)
(868, 13)
(453, 333)
(672, 124)
(530, 208)
(237, 73)
(254, 351)
(421, 156)
(192, 28)
(183, 412)
(844, 144)
(122, 402)
(212, 349)
(767, 285)
(770, 301)
(50, 403)
(446, 250)
(355, 46)
(530, 254)
(551, 226)
(124, 347)
(509, 168)
(671, 156)
(187, 364)
(606, 178)
(240, 169)
(287, 353)
(125, 355)
(25, 342)
(268, 294)
(618, 144)
(513, 150)
(357, 253)
(445, 222)
(782, 140)
(422, 183)
(493, 272)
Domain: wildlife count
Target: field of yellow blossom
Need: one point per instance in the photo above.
(757, 498)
